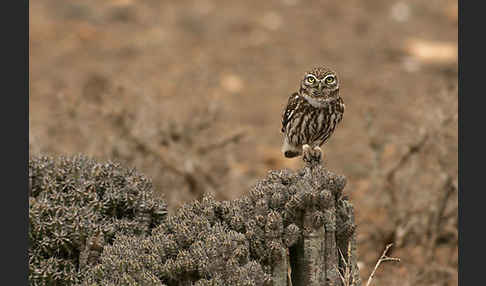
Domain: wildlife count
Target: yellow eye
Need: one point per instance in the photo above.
(311, 79)
(330, 79)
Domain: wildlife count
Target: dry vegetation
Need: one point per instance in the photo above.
(190, 93)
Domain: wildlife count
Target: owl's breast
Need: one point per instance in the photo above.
(320, 123)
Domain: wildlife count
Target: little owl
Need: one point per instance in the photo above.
(312, 113)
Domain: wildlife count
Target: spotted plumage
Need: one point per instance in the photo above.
(312, 113)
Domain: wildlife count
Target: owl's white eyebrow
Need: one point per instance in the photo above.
(324, 79)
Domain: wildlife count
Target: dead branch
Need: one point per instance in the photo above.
(390, 177)
(346, 278)
(196, 178)
(438, 216)
(232, 138)
(383, 258)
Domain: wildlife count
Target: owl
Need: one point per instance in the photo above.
(312, 113)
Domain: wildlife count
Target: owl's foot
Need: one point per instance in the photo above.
(311, 155)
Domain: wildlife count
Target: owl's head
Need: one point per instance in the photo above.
(320, 84)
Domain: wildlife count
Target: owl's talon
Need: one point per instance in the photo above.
(312, 156)
(306, 148)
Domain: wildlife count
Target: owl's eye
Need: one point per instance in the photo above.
(330, 79)
(311, 79)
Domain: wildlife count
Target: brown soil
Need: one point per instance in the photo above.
(150, 63)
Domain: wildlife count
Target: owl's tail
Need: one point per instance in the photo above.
(289, 150)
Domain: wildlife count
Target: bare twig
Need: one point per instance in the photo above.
(197, 179)
(438, 216)
(346, 278)
(390, 177)
(235, 137)
(147, 148)
(391, 186)
(383, 258)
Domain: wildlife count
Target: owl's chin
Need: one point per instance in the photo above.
(318, 101)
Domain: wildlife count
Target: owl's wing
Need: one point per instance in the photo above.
(290, 109)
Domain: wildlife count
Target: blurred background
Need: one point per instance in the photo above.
(191, 93)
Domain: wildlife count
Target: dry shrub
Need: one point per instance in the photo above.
(185, 150)
(416, 190)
